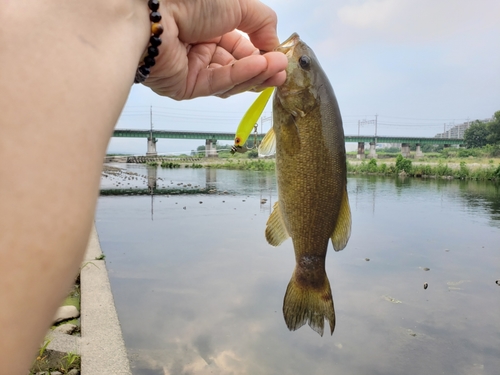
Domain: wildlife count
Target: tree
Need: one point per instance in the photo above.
(476, 135)
(494, 129)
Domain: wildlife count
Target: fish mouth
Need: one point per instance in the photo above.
(287, 46)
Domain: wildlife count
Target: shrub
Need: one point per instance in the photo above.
(443, 170)
(253, 154)
(463, 172)
(467, 152)
(382, 168)
(403, 164)
(372, 166)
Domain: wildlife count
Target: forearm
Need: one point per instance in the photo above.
(67, 68)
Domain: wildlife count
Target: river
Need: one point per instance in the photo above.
(199, 291)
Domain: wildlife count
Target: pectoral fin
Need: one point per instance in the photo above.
(276, 231)
(342, 230)
(268, 144)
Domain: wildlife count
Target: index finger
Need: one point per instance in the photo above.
(259, 22)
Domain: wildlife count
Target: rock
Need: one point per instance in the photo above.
(367, 259)
(65, 313)
(74, 372)
(66, 328)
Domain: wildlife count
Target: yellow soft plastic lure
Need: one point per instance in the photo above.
(248, 121)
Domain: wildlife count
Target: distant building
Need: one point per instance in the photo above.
(457, 131)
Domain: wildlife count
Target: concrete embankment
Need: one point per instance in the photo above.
(101, 343)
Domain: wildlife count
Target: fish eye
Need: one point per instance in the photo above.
(305, 62)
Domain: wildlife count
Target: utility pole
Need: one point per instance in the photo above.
(366, 122)
(151, 121)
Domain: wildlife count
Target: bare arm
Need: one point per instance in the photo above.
(66, 71)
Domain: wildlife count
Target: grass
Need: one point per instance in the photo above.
(445, 169)
(246, 164)
(51, 361)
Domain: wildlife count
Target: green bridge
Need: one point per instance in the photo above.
(212, 137)
(172, 134)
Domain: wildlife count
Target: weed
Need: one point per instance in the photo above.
(170, 165)
(69, 361)
(42, 349)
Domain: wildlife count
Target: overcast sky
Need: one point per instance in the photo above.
(420, 65)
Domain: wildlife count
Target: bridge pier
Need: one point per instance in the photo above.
(418, 153)
(373, 151)
(361, 150)
(405, 150)
(152, 146)
(210, 149)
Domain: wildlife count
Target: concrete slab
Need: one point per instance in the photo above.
(101, 345)
(60, 342)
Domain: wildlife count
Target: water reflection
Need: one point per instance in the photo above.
(129, 179)
(199, 290)
(211, 178)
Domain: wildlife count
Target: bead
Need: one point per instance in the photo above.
(153, 51)
(156, 29)
(153, 5)
(139, 77)
(144, 70)
(149, 61)
(155, 41)
(155, 17)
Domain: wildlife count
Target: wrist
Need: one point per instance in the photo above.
(152, 51)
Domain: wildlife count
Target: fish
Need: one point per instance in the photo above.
(307, 137)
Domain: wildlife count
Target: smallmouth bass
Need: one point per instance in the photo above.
(313, 206)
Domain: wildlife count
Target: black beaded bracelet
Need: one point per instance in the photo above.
(143, 70)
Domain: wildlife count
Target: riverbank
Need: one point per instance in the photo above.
(471, 169)
(461, 168)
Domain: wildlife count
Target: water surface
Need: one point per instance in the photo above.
(199, 291)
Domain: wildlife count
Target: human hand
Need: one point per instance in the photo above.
(202, 54)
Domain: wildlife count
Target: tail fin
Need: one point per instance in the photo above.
(305, 304)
